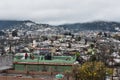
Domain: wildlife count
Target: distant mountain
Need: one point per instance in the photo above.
(4, 24)
(27, 24)
(30, 25)
(98, 25)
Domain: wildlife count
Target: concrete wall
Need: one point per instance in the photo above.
(6, 60)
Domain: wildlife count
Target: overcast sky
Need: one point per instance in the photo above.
(60, 11)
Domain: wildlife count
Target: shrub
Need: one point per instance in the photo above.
(91, 71)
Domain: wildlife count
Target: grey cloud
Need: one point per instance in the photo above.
(60, 11)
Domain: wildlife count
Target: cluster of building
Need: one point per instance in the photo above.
(43, 48)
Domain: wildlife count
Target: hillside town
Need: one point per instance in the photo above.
(59, 40)
(51, 53)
